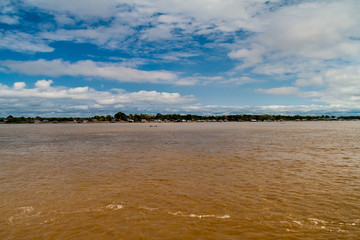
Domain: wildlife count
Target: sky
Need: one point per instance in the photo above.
(207, 57)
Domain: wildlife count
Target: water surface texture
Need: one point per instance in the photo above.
(292, 180)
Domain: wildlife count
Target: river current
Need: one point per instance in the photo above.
(279, 180)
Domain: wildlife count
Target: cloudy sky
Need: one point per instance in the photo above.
(92, 57)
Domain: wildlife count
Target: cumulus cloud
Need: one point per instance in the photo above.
(43, 97)
(19, 85)
(43, 84)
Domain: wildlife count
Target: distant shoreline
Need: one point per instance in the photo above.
(159, 118)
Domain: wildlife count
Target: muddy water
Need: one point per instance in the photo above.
(293, 180)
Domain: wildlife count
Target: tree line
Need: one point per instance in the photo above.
(122, 117)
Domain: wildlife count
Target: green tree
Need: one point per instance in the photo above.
(10, 119)
(121, 116)
(159, 116)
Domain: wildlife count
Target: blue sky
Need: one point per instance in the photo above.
(92, 57)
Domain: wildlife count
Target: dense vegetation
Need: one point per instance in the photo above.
(120, 116)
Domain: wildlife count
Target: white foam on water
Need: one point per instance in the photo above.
(47, 221)
(322, 225)
(192, 215)
(298, 222)
(176, 213)
(114, 206)
(27, 209)
(10, 220)
(317, 221)
(148, 208)
(25, 213)
(201, 216)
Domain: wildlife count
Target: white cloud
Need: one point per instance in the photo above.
(342, 86)
(23, 42)
(322, 29)
(6, 7)
(311, 81)
(270, 109)
(45, 98)
(290, 91)
(159, 32)
(9, 19)
(301, 38)
(336, 87)
(249, 57)
(280, 91)
(87, 68)
(177, 56)
(81, 8)
(195, 17)
(43, 84)
(111, 71)
(204, 10)
(19, 85)
(307, 42)
(315, 30)
(241, 80)
(109, 37)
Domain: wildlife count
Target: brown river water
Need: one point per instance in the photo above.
(291, 180)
